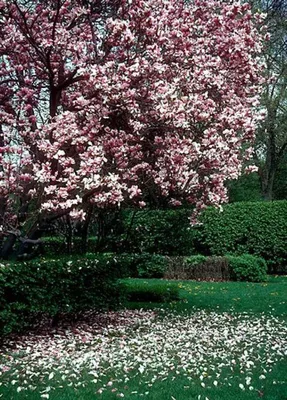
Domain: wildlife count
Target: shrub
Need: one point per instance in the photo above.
(66, 285)
(143, 265)
(257, 228)
(247, 268)
(164, 232)
(139, 290)
(151, 266)
(197, 267)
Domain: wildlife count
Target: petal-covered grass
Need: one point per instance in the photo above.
(222, 341)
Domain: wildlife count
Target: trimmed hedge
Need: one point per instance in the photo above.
(237, 268)
(50, 287)
(199, 267)
(258, 228)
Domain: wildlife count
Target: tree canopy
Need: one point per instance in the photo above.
(105, 103)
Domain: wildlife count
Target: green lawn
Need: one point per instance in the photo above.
(220, 341)
(228, 296)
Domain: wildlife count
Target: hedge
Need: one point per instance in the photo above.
(50, 287)
(238, 268)
(258, 228)
(31, 289)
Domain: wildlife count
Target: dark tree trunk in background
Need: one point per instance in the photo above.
(31, 246)
(8, 245)
(85, 230)
(268, 171)
(271, 138)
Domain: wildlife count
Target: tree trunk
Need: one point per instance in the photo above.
(8, 245)
(69, 235)
(267, 173)
(33, 246)
(85, 229)
(100, 231)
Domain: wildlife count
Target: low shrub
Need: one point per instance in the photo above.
(151, 266)
(247, 268)
(197, 267)
(50, 287)
(143, 265)
(164, 232)
(139, 290)
(239, 268)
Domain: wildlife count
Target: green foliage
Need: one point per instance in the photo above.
(139, 290)
(143, 265)
(54, 245)
(258, 228)
(57, 245)
(196, 260)
(247, 268)
(198, 267)
(50, 287)
(165, 232)
(246, 187)
(151, 266)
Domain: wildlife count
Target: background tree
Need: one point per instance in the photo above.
(127, 102)
(271, 143)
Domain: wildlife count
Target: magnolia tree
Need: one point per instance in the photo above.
(123, 102)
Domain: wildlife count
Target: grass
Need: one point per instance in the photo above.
(223, 340)
(224, 296)
(151, 290)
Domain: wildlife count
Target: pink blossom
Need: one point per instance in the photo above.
(156, 101)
